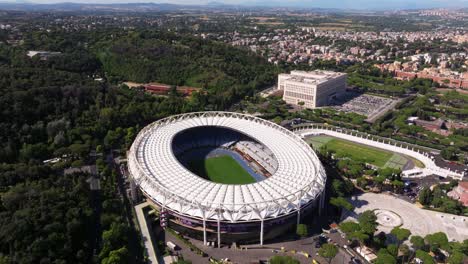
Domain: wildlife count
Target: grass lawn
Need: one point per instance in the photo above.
(318, 141)
(222, 169)
(396, 162)
(375, 156)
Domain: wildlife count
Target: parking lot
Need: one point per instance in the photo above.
(370, 106)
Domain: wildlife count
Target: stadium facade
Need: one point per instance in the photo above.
(290, 180)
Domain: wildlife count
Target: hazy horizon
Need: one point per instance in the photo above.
(348, 4)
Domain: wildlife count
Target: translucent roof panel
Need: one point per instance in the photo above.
(298, 179)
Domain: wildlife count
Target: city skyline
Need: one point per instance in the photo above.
(338, 4)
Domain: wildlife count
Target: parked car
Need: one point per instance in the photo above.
(171, 245)
(355, 261)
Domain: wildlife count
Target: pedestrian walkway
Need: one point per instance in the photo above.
(146, 234)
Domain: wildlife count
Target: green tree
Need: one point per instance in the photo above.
(79, 150)
(342, 187)
(437, 240)
(385, 258)
(341, 202)
(401, 234)
(393, 250)
(368, 222)
(349, 227)
(449, 153)
(425, 196)
(283, 260)
(328, 251)
(417, 242)
(119, 256)
(362, 182)
(456, 258)
(405, 252)
(4, 259)
(302, 230)
(397, 186)
(359, 236)
(337, 187)
(277, 119)
(380, 239)
(113, 239)
(379, 180)
(460, 246)
(99, 149)
(354, 232)
(34, 152)
(425, 257)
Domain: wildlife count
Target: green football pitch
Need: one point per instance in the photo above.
(378, 157)
(221, 169)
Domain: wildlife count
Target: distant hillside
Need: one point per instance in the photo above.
(316, 5)
(69, 6)
(226, 72)
(123, 7)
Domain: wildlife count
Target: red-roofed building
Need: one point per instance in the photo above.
(163, 89)
(401, 75)
(460, 193)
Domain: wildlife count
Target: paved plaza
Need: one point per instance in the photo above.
(392, 211)
(255, 253)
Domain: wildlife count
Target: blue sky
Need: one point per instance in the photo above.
(357, 4)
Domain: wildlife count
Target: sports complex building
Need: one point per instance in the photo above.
(227, 177)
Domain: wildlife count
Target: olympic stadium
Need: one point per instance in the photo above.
(227, 177)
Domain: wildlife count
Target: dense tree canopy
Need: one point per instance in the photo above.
(61, 108)
(47, 220)
(227, 74)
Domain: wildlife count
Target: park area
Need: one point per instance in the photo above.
(358, 152)
(221, 169)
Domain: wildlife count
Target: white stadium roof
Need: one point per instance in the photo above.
(299, 179)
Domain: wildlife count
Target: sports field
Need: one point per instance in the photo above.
(221, 169)
(396, 162)
(378, 157)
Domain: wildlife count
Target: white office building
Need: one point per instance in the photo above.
(312, 89)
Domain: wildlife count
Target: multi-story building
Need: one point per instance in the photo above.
(312, 89)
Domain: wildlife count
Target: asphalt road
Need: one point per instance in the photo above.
(255, 253)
